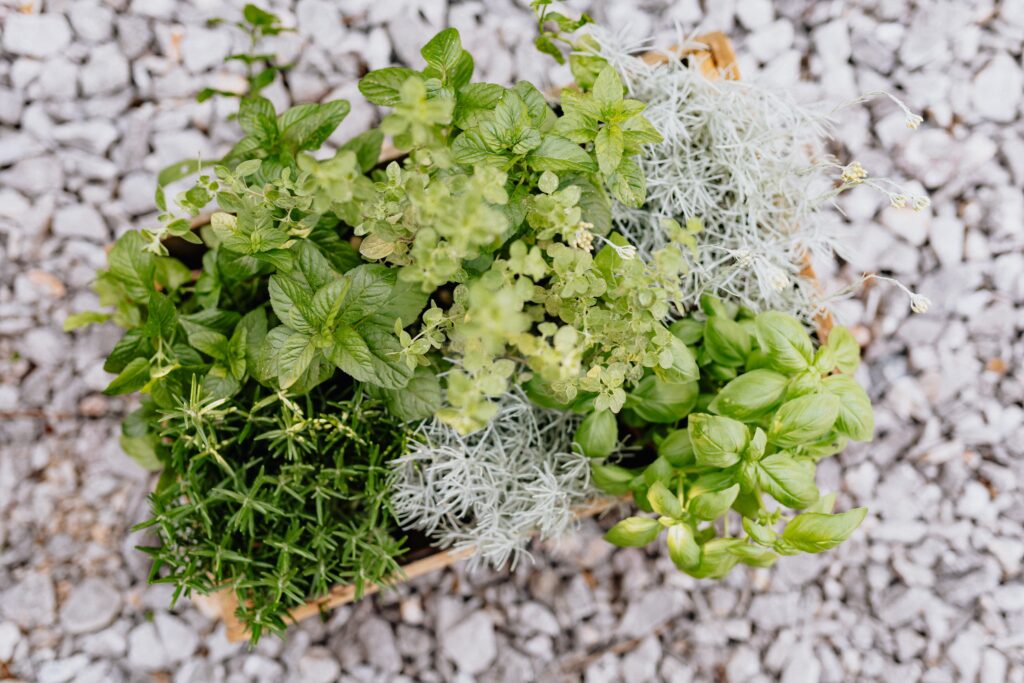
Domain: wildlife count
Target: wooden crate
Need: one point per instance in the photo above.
(717, 61)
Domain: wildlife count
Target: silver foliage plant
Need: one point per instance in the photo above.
(496, 487)
(750, 163)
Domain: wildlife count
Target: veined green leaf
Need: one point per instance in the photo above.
(804, 420)
(786, 480)
(815, 532)
(384, 86)
(557, 154)
(370, 354)
(633, 532)
(133, 377)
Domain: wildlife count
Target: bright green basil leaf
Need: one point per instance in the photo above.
(717, 441)
(684, 364)
(750, 395)
(716, 560)
(856, 419)
(825, 504)
(682, 547)
(663, 501)
(803, 383)
(710, 506)
(753, 555)
(370, 354)
(656, 400)
(688, 331)
(134, 376)
(612, 479)
(845, 349)
(786, 480)
(760, 533)
(598, 434)
(785, 341)
(677, 449)
(727, 341)
(384, 86)
(633, 532)
(804, 420)
(815, 532)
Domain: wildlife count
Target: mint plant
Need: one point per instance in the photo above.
(766, 408)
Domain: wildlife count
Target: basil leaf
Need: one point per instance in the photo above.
(612, 479)
(598, 434)
(656, 400)
(682, 547)
(856, 419)
(716, 559)
(815, 532)
(845, 349)
(663, 501)
(804, 420)
(726, 341)
(677, 449)
(786, 480)
(633, 532)
(753, 556)
(717, 441)
(784, 340)
(750, 395)
(710, 506)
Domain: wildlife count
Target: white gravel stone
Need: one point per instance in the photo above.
(202, 49)
(145, 649)
(179, 638)
(92, 22)
(753, 14)
(62, 670)
(770, 40)
(30, 602)
(36, 35)
(318, 665)
(997, 89)
(58, 80)
(80, 220)
(106, 71)
(92, 605)
(649, 610)
(470, 644)
(10, 636)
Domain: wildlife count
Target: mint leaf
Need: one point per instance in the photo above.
(370, 354)
(367, 148)
(419, 399)
(84, 318)
(607, 90)
(162, 317)
(384, 86)
(557, 154)
(296, 354)
(132, 266)
(289, 298)
(474, 103)
(258, 119)
(628, 184)
(133, 377)
(608, 146)
(369, 289)
(442, 53)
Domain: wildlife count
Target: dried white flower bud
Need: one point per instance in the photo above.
(919, 303)
(853, 174)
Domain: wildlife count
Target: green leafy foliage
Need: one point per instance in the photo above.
(745, 434)
(277, 499)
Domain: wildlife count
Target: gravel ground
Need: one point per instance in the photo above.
(95, 96)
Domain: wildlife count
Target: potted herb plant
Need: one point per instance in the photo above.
(351, 343)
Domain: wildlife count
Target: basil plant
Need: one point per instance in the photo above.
(766, 408)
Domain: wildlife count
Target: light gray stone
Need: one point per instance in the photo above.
(997, 89)
(471, 644)
(10, 636)
(179, 638)
(203, 48)
(145, 649)
(62, 670)
(318, 665)
(106, 71)
(92, 605)
(649, 610)
(92, 22)
(36, 35)
(80, 220)
(30, 602)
